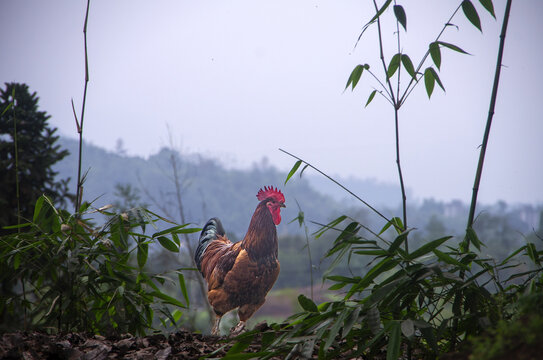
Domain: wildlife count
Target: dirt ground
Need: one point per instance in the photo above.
(180, 345)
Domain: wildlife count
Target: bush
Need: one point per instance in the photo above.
(62, 273)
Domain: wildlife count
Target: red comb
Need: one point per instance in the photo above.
(270, 192)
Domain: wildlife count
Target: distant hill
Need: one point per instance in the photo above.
(209, 189)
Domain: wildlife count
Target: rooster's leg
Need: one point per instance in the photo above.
(238, 328)
(215, 330)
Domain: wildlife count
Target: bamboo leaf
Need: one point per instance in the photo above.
(168, 244)
(471, 14)
(307, 304)
(355, 76)
(408, 66)
(334, 330)
(380, 12)
(37, 208)
(293, 170)
(452, 47)
(183, 287)
(393, 65)
(435, 53)
(394, 341)
(436, 77)
(167, 299)
(428, 247)
(370, 98)
(187, 230)
(446, 258)
(471, 235)
(143, 251)
(399, 12)
(532, 253)
(429, 82)
(16, 260)
(487, 4)
(350, 321)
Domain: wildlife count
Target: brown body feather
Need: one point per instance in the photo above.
(239, 275)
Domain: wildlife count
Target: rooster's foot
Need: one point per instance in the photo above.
(238, 329)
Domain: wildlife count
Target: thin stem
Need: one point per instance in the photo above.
(489, 118)
(398, 163)
(382, 56)
(383, 86)
(396, 122)
(459, 300)
(338, 184)
(79, 194)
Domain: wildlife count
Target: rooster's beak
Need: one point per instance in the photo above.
(283, 205)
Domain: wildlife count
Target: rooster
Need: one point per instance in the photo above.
(239, 275)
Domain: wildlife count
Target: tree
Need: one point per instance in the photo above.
(28, 150)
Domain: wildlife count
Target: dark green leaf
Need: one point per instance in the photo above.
(350, 321)
(471, 14)
(435, 53)
(452, 47)
(143, 250)
(397, 242)
(429, 81)
(16, 260)
(394, 341)
(393, 65)
(168, 244)
(307, 304)
(238, 347)
(487, 4)
(370, 98)
(293, 170)
(169, 230)
(183, 287)
(187, 230)
(334, 329)
(381, 11)
(532, 253)
(408, 65)
(471, 235)
(448, 259)
(355, 76)
(436, 77)
(167, 299)
(330, 225)
(399, 12)
(428, 247)
(37, 208)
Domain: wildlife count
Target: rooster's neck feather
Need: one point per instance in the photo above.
(260, 242)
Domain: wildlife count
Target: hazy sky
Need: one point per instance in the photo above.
(237, 80)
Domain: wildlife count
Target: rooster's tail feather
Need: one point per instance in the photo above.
(212, 229)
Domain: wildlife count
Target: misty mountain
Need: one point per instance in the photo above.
(208, 189)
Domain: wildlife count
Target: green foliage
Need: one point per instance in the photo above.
(405, 299)
(28, 151)
(70, 275)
